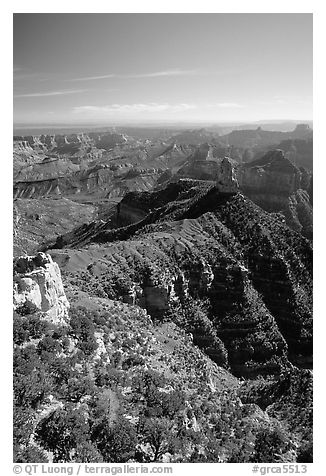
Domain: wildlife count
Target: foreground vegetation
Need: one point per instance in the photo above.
(112, 386)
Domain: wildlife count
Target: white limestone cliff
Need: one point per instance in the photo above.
(38, 287)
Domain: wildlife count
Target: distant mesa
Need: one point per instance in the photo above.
(303, 128)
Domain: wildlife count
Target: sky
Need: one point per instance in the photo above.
(140, 68)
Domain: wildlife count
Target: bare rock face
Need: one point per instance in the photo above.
(273, 176)
(158, 292)
(38, 287)
(277, 185)
(299, 214)
(200, 165)
(227, 181)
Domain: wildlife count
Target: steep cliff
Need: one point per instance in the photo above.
(277, 185)
(273, 175)
(38, 287)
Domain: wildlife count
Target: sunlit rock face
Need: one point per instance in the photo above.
(38, 287)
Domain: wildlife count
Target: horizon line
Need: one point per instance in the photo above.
(210, 121)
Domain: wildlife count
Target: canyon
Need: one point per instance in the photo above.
(164, 264)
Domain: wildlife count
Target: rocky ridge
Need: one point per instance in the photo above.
(243, 249)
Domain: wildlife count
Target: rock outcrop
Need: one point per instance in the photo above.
(227, 181)
(204, 165)
(38, 287)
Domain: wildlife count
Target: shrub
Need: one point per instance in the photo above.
(26, 328)
(86, 452)
(269, 446)
(62, 431)
(305, 453)
(23, 423)
(158, 433)
(116, 443)
(30, 454)
(82, 328)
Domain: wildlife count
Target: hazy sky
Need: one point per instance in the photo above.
(106, 68)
